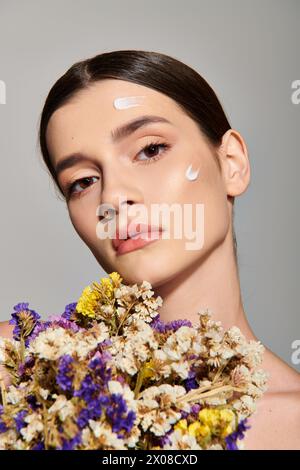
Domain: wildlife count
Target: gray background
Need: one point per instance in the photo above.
(247, 50)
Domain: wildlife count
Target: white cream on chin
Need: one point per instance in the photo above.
(128, 102)
(190, 174)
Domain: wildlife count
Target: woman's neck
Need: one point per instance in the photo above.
(213, 284)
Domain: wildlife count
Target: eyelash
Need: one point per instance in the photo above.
(70, 187)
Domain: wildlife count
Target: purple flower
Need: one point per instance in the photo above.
(41, 326)
(69, 309)
(161, 441)
(191, 383)
(19, 420)
(162, 327)
(3, 427)
(83, 418)
(93, 410)
(195, 409)
(238, 434)
(25, 321)
(158, 325)
(99, 367)
(39, 446)
(118, 415)
(176, 324)
(65, 373)
(88, 389)
(32, 402)
(59, 320)
(70, 444)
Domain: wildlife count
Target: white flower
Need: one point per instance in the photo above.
(52, 343)
(8, 440)
(181, 441)
(241, 376)
(182, 369)
(44, 393)
(107, 438)
(86, 437)
(245, 406)
(62, 407)
(114, 386)
(179, 343)
(35, 425)
(14, 395)
(133, 437)
(157, 407)
(215, 447)
(2, 350)
(252, 352)
(259, 378)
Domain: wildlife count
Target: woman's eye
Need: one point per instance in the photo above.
(152, 151)
(80, 185)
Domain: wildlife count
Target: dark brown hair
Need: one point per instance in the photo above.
(151, 69)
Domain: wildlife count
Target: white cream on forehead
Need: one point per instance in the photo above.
(128, 102)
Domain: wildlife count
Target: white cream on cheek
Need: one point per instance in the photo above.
(190, 174)
(128, 102)
(132, 101)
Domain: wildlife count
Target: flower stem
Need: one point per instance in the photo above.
(199, 394)
(3, 391)
(125, 316)
(139, 382)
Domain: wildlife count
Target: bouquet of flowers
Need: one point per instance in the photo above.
(109, 374)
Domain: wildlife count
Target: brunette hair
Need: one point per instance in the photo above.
(151, 69)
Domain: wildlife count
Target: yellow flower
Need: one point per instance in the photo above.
(87, 302)
(181, 425)
(107, 287)
(116, 278)
(193, 428)
(227, 415)
(148, 372)
(108, 284)
(92, 295)
(227, 430)
(210, 417)
(218, 421)
(203, 430)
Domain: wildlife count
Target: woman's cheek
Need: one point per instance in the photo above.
(84, 221)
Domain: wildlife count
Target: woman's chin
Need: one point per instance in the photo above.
(135, 271)
(154, 263)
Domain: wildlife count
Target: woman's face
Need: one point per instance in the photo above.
(119, 170)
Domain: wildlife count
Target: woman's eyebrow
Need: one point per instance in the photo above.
(117, 135)
(127, 129)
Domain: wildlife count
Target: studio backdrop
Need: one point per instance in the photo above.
(247, 50)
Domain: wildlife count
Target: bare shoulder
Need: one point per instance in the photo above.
(276, 423)
(283, 378)
(6, 330)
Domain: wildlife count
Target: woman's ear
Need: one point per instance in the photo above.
(235, 163)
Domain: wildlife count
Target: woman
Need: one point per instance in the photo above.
(144, 129)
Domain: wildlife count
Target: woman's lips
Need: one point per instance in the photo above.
(138, 241)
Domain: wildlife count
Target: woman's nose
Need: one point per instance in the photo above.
(119, 189)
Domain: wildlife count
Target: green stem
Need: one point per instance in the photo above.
(139, 382)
